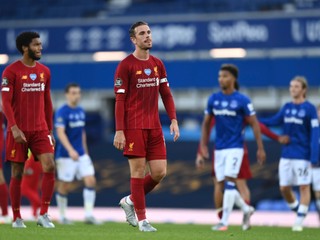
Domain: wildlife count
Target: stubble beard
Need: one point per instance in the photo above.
(32, 55)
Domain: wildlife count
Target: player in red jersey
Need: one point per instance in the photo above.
(244, 174)
(30, 184)
(28, 108)
(4, 218)
(139, 79)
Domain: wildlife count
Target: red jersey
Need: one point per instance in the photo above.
(26, 96)
(137, 84)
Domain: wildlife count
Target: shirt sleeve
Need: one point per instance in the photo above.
(275, 120)
(166, 94)
(248, 107)
(48, 103)
(267, 132)
(121, 84)
(209, 107)
(314, 140)
(60, 119)
(7, 91)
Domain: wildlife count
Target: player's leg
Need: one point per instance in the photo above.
(316, 187)
(47, 188)
(42, 148)
(66, 171)
(303, 176)
(4, 195)
(233, 159)
(137, 173)
(285, 182)
(86, 172)
(29, 190)
(158, 170)
(243, 189)
(218, 195)
(15, 193)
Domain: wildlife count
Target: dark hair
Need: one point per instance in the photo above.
(71, 85)
(24, 39)
(132, 32)
(236, 85)
(231, 69)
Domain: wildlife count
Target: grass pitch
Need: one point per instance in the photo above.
(121, 231)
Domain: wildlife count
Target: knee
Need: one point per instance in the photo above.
(285, 189)
(159, 175)
(48, 166)
(90, 181)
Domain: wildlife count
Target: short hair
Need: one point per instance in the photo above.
(24, 39)
(302, 80)
(132, 32)
(231, 69)
(71, 85)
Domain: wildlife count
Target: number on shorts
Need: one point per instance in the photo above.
(50, 139)
(303, 172)
(235, 160)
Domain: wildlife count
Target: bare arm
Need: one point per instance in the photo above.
(205, 135)
(261, 155)
(63, 138)
(84, 142)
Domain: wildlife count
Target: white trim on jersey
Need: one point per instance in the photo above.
(314, 123)
(163, 80)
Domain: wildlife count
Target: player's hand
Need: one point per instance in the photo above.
(53, 139)
(73, 154)
(261, 156)
(18, 135)
(200, 161)
(284, 139)
(204, 151)
(119, 140)
(174, 128)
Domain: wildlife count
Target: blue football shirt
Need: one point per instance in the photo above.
(73, 121)
(301, 124)
(229, 112)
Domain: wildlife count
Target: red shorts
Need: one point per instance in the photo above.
(245, 172)
(147, 143)
(39, 142)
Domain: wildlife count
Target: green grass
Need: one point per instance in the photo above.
(121, 231)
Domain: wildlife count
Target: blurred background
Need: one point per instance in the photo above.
(271, 41)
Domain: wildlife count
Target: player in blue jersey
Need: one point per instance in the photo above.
(299, 121)
(230, 108)
(316, 176)
(72, 155)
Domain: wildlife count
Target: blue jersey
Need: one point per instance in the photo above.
(300, 123)
(73, 121)
(229, 112)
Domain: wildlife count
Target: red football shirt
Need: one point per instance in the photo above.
(137, 85)
(26, 96)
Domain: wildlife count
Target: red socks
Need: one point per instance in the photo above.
(4, 199)
(138, 197)
(47, 189)
(149, 184)
(15, 197)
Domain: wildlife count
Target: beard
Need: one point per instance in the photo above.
(32, 55)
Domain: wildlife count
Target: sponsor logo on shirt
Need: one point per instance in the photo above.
(5, 81)
(138, 72)
(33, 76)
(131, 147)
(41, 77)
(224, 112)
(147, 82)
(13, 153)
(24, 77)
(147, 71)
(155, 69)
(315, 123)
(118, 82)
(33, 87)
(78, 123)
(293, 120)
